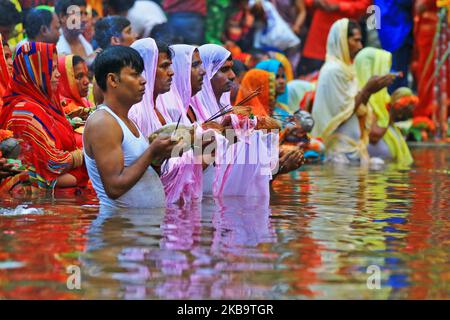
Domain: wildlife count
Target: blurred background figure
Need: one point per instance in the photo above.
(323, 14)
(10, 22)
(142, 14)
(114, 31)
(396, 36)
(187, 19)
(42, 25)
(73, 24)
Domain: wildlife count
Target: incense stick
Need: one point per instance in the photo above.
(220, 114)
(249, 97)
(179, 119)
(214, 116)
(174, 132)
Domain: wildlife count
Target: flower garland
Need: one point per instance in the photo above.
(423, 123)
(5, 134)
(404, 102)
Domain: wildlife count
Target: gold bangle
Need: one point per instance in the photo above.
(77, 156)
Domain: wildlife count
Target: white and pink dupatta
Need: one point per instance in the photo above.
(181, 176)
(176, 102)
(246, 167)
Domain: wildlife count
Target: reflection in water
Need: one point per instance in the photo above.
(188, 252)
(44, 245)
(324, 227)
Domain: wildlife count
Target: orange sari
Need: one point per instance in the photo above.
(253, 80)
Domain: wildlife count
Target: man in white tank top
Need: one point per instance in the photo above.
(118, 156)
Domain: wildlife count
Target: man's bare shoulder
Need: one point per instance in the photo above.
(102, 125)
(102, 122)
(101, 129)
(99, 118)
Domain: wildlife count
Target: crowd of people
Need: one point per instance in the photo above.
(183, 99)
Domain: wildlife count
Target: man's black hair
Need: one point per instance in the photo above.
(163, 47)
(9, 16)
(256, 51)
(76, 60)
(239, 67)
(109, 27)
(352, 25)
(164, 32)
(120, 6)
(113, 60)
(62, 5)
(35, 20)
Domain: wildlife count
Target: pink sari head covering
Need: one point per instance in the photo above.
(182, 64)
(176, 102)
(143, 113)
(204, 103)
(234, 175)
(181, 176)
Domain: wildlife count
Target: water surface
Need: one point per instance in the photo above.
(324, 227)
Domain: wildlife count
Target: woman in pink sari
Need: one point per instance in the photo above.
(187, 82)
(246, 169)
(176, 102)
(180, 176)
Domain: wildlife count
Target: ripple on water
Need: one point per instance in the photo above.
(21, 210)
(324, 228)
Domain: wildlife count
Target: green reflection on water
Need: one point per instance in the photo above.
(325, 226)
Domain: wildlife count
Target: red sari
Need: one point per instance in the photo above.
(5, 77)
(316, 41)
(67, 87)
(48, 146)
(425, 52)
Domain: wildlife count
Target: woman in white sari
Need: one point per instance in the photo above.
(341, 116)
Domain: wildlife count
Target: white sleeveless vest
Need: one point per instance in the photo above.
(148, 192)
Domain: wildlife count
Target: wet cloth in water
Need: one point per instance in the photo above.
(178, 174)
(252, 176)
